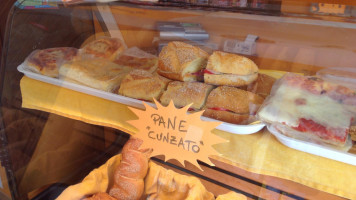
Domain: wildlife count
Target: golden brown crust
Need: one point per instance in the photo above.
(262, 86)
(184, 93)
(96, 73)
(148, 64)
(178, 60)
(227, 116)
(234, 99)
(128, 177)
(100, 196)
(231, 64)
(140, 84)
(47, 61)
(107, 48)
(229, 79)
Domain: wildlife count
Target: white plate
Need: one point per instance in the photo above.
(228, 127)
(314, 148)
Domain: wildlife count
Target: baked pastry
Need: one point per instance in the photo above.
(140, 84)
(107, 48)
(184, 93)
(138, 59)
(96, 73)
(181, 61)
(233, 105)
(130, 174)
(262, 85)
(230, 69)
(311, 109)
(165, 184)
(100, 196)
(47, 61)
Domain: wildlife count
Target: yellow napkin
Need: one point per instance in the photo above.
(98, 180)
(158, 182)
(260, 153)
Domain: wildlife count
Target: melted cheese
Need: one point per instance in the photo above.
(321, 109)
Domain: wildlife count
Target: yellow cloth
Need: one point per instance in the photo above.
(158, 180)
(164, 184)
(260, 153)
(98, 180)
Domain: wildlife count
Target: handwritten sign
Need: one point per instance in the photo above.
(176, 134)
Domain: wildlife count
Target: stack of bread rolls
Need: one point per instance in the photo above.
(228, 86)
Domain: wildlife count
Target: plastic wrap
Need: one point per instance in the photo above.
(310, 109)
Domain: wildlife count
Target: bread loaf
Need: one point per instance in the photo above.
(107, 48)
(181, 61)
(128, 177)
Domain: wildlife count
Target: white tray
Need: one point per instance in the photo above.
(228, 127)
(314, 148)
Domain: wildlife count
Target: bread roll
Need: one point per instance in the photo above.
(262, 86)
(128, 177)
(232, 105)
(230, 69)
(181, 61)
(107, 48)
(47, 61)
(138, 59)
(100, 196)
(96, 73)
(184, 93)
(140, 84)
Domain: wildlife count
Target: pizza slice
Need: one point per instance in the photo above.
(310, 109)
(47, 61)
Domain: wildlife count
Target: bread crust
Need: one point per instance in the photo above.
(231, 64)
(128, 177)
(262, 86)
(96, 73)
(184, 93)
(107, 48)
(178, 60)
(234, 99)
(226, 116)
(140, 84)
(100, 196)
(47, 61)
(148, 64)
(230, 79)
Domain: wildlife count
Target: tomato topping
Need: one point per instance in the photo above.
(307, 125)
(300, 101)
(206, 71)
(219, 109)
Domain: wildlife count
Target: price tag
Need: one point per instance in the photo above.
(176, 134)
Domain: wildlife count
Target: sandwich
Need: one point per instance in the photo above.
(185, 93)
(181, 61)
(311, 109)
(47, 61)
(96, 73)
(142, 85)
(106, 48)
(233, 105)
(262, 85)
(138, 59)
(230, 69)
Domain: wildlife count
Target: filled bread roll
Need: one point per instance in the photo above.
(128, 177)
(184, 93)
(232, 105)
(181, 61)
(230, 69)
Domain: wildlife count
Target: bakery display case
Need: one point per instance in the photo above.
(276, 80)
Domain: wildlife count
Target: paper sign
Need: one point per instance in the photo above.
(176, 134)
